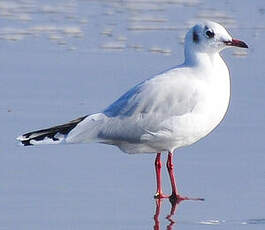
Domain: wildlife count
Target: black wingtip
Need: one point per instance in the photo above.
(26, 143)
(49, 133)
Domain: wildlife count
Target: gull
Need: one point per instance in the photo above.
(173, 109)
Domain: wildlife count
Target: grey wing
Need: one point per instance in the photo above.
(126, 104)
(144, 108)
(157, 96)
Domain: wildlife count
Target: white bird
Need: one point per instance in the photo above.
(173, 109)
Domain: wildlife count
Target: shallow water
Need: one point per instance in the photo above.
(70, 58)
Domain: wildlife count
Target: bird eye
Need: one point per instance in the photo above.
(209, 33)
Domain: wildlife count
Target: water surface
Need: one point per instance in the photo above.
(70, 58)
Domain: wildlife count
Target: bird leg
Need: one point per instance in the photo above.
(159, 193)
(170, 168)
(175, 196)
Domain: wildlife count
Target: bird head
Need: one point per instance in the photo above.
(210, 37)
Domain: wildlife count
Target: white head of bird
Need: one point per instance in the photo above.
(209, 38)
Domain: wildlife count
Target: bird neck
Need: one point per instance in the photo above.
(201, 58)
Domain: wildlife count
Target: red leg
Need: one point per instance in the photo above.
(170, 168)
(175, 194)
(159, 193)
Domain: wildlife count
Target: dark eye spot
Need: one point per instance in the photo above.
(195, 37)
(210, 34)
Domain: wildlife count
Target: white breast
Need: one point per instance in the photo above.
(214, 94)
(217, 96)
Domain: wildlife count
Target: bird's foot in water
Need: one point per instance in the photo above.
(160, 195)
(175, 197)
(178, 198)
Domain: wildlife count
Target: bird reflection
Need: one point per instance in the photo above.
(174, 205)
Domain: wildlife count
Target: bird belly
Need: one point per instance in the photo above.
(191, 127)
(179, 131)
(183, 131)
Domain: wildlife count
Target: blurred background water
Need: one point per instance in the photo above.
(63, 59)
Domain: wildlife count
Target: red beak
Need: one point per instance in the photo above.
(236, 43)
